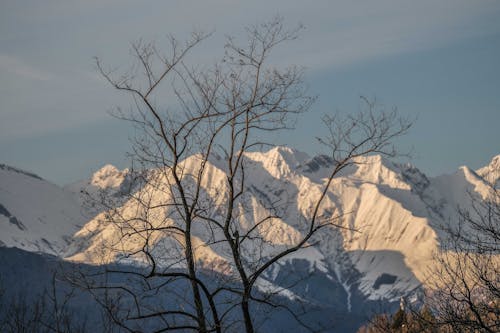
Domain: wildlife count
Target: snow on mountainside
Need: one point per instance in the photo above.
(390, 218)
(106, 177)
(394, 209)
(491, 172)
(36, 215)
(108, 180)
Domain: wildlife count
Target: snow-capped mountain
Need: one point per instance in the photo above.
(36, 215)
(389, 219)
(108, 181)
(491, 172)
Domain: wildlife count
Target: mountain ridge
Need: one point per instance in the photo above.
(394, 204)
(395, 207)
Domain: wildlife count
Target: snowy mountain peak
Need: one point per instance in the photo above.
(377, 170)
(317, 163)
(108, 177)
(287, 153)
(279, 161)
(491, 172)
(480, 183)
(495, 163)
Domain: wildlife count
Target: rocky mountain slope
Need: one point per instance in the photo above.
(390, 221)
(389, 217)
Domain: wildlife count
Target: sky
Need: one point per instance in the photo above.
(437, 61)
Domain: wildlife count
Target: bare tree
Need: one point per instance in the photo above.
(49, 312)
(222, 113)
(404, 321)
(466, 294)
(462, 292)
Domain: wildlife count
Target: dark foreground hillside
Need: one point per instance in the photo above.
(34, 288)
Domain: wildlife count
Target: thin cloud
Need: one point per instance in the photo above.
(339, 33)
(351, 33)
(21, 69)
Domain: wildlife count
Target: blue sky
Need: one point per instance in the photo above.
(437, 61)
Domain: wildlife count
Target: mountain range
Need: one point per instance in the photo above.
(389, 218)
